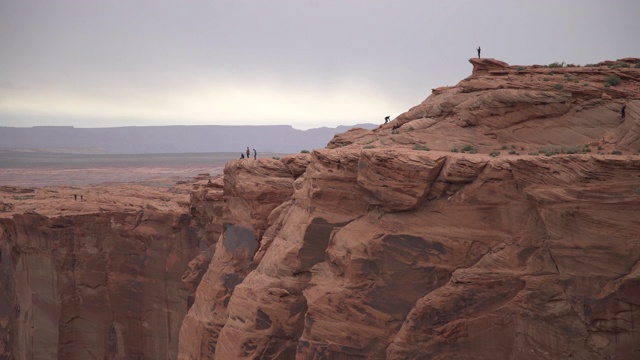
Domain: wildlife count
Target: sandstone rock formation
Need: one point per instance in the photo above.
(93, 279)
(388, 244)
(392, 246)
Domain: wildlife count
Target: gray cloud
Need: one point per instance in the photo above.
(155, 62)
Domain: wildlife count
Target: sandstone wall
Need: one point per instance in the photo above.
(93, 286)
(452, 256)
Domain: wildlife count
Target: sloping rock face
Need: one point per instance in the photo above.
(386, 249)
(253, 189)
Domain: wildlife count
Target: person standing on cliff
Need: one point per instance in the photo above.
(478, 52)
(386, 119)
(241, 156)
(255, 154)
(248, 152)
(624, 107)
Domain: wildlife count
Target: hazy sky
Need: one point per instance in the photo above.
(91, 63)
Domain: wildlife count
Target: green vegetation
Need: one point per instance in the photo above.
(617, 65)
(637, 65)
(556, 65)
(520, 68)
(592, 65)
(564, 150)
(368, 147)
(612, 80)
(572, 65)
(420, 147)
(395, 132)
(494, 153)
(545, 79)
(616, 152)
(304, 151)
(455, 150)
(533, 153)
(599, 147)
(470, 149)
(513, 146)
(504, 147)
(512, 152)
(558, 86)
(410, 128)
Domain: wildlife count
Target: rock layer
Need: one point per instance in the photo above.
(391, 246)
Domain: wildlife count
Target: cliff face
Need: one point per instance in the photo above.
(387, 249)
(387, 244)
(89, 284)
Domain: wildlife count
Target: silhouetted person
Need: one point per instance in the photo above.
(248, 152)
(397, 126)
(386, 119)
(81, 198)
(75, 196)
(255, 154)
(624, 107)
(478, 52)
(241, 156)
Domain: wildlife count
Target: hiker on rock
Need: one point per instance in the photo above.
(624, 107)
(241, 156)
(386, 119)
(75, 196)
(248, 152)
(478, 52)
(255, 154)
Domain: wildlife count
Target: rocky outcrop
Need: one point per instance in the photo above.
(392, 246)
(96, 275)
(253, 189)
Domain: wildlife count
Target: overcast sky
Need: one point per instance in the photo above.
(92, 63)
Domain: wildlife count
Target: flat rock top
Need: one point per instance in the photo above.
(60, 201)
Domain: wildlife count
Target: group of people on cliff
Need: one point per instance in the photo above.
(255, 154)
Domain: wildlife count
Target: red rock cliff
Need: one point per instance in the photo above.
(392, 246)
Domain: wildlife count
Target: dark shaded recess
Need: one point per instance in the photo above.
(263, 321)
(230, 282)
(404, 280)
(316, 241)
(470, 300)
(239, 238)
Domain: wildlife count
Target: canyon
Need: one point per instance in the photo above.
(497, 219)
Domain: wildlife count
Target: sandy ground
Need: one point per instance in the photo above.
(151, 176)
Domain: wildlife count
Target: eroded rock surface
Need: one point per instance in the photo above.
(392, 246)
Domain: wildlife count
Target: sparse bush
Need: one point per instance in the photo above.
(520, 68)
(395, 132)
(618, 65)
(470, 149)
(420, 147)
(533, 153)
(556, 65)
(545, 79)
(504, 147)
(568, 77)
(410, 128)
(616, 152)
(494, 153)
(454, 150)
(275, 157)
(572, 65)
(304, 151)
(522, 148)
(612, 80)
(513, 146)
(512, 152)
(558, 86)
(638, 65)
(599, 147)
(369, 147)
(592, 65)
